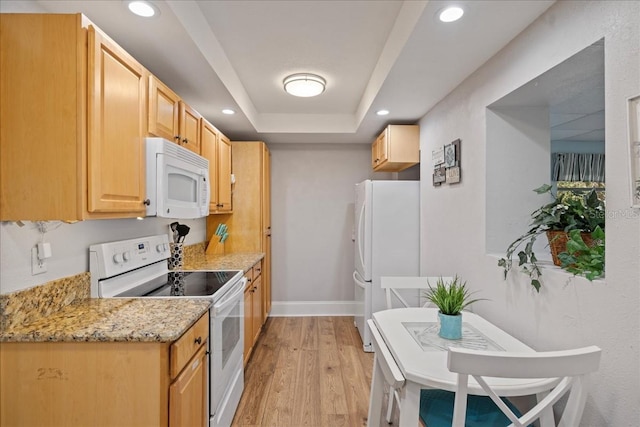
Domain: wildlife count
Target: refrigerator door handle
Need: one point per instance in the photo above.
(360, 236)
(358, 280)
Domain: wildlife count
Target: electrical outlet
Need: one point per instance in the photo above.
(37, 266)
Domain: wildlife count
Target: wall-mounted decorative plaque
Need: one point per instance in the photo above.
(446, 164)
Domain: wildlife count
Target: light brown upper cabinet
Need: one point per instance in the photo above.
(396, 148)
(171, 118)
(216, 148)
(189, 128)
(73, 114)
(164, 110)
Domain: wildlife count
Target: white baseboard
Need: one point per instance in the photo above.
(312, 308)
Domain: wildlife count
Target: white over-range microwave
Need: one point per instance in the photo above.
(177, 181)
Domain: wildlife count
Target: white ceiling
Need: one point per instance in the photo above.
(374, 54)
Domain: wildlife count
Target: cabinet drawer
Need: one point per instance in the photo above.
(185, 347)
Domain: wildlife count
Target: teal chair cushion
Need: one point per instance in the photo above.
(436, 410)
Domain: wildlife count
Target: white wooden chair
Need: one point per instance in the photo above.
(385, 371)
(571, 367)
(392, 285)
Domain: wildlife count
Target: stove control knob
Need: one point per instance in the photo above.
(118, 259)
(126, 256)
(160, 247)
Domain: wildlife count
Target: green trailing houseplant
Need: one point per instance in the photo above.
(583, 259)
(450, 298)
(564, 213)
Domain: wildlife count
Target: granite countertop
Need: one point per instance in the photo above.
(234, 261)
(61, 311)
(113, 320)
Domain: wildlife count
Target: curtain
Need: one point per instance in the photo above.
(577, 167)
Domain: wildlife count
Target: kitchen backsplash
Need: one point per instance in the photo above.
(26, 305)
(194, 254)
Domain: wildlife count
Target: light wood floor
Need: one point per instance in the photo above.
(306, 371)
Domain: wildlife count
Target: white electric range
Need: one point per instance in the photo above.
(138, 268)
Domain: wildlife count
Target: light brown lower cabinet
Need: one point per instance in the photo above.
(188, 393)
(106, 383)
(253, 309)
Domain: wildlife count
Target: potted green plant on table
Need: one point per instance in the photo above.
(556, 219)
(450, 298)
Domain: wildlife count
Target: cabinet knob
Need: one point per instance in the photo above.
(146, 202)
(185, 140)
(198, 340)
(177, 137)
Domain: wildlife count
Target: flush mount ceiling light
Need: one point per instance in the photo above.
(382, 112)
(228, 111)
(451, 14)
(304, 84)
(143, 8)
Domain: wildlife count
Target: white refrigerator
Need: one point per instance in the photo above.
(387, 243)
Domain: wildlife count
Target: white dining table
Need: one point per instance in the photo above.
(410, 336)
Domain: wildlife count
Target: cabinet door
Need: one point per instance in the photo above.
(189, 128)
(257, 307)
(224, 174)
(209, 150)
(41, 117)
(380, 150)
(188, 393)
(116, 128)
(164, 109)
(375, 159)
(383, 147)
(248, 324)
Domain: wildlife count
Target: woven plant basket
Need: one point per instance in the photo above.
(558, 243)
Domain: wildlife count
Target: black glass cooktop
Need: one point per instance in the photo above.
(192, 283)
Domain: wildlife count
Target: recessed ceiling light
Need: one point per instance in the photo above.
(304, 84)
(451, 14)
(228, 111)
(143, 8)
(382, 112)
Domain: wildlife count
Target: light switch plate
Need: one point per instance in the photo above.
(37, 266)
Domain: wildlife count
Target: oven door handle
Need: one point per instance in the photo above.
(226, 302)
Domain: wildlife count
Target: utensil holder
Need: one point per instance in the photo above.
(176, 261)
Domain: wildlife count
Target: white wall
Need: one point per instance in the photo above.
(517, 160)
(70, 246)
(312, 196)
(566, 313)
